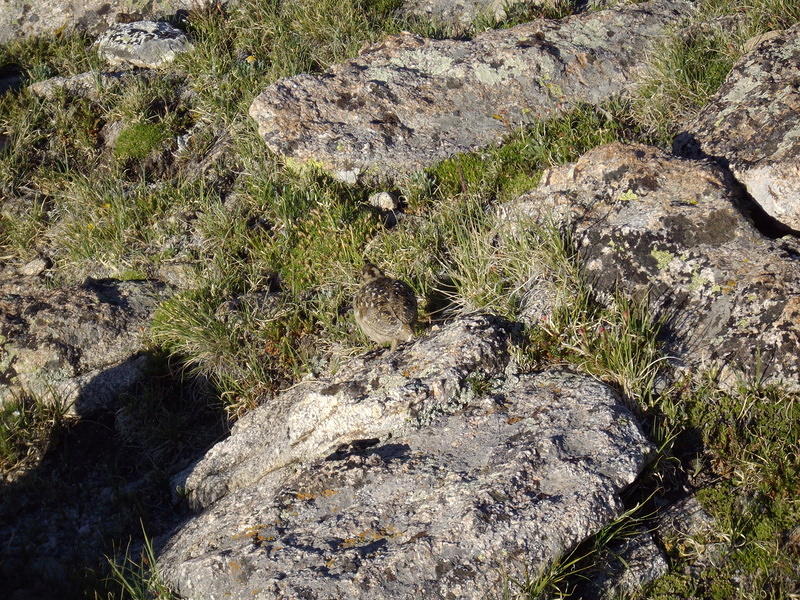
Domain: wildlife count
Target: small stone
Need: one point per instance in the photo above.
(35, 267)
(629, 565)
(147, 44)
(88, 85)
(383, 201)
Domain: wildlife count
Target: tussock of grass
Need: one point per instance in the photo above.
(691, 64)
(61, 54)
(28, 426)
(133, 579)
(139, 139)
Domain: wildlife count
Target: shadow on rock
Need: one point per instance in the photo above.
(101, 482)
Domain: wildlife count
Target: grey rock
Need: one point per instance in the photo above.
(36, 266)
(23, 18)
(752, 123)
(461, 13)
(649, 221)
(147, 44)
(88, 85)
(365, 399)
(78, 345)
(684, 518)
(400, 506)
(383, 201)
(688, 530)
(181, 275)
(407, 102)
(627, 566)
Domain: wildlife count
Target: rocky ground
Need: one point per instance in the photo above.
(597, 205)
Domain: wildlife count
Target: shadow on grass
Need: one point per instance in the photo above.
(104, 479)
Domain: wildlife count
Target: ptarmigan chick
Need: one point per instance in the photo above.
(385, 308)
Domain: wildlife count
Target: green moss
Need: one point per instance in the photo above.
(138, 140)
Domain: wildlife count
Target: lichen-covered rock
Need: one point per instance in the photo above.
(677, 227)
(408, 102)
(460, 13)
(753, 123)
(147, 44)
(433, 508)
(23, 18)
(366, 398)
(77, 344)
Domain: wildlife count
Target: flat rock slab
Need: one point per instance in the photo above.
(503, 484)
(409, 102)
(76, 344)
(646, 220)
(753, 123)
(146, 44)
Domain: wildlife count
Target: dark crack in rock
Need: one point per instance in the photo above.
(408, 102)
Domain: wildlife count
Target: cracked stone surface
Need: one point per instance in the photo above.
(23, 18)
(394, 480)
(460, 13)
(364, 399)
(682, 229)
(147, 44)
(408, 102)
(753, 123)
(76, 344)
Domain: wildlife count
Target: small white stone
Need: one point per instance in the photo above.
(35, 267)
(384, 201)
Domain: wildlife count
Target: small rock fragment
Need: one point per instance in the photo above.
(383, 201)
(147, 44)
(35, 267)
(88, 85)
(629, 565)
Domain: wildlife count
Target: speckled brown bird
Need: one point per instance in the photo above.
(385, 308)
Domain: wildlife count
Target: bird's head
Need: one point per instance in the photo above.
(370, 272)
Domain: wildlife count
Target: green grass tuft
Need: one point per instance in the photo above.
(28, 427)
(138, 140)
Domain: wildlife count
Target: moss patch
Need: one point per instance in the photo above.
(138, 140)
